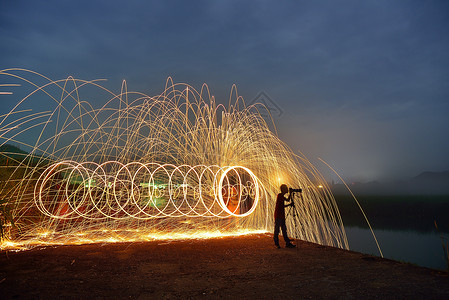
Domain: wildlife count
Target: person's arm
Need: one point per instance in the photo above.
(289, 199)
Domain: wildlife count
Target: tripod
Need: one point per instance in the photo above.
(293, 212)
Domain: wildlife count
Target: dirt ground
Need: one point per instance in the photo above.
(247, 267)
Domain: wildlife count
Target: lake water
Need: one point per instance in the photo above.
(423, 249)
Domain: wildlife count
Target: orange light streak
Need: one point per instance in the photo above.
(139, 167)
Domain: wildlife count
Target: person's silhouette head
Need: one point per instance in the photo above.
(284, 189)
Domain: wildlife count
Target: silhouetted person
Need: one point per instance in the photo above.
(279, 217)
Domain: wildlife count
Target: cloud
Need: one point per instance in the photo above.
(347, 73)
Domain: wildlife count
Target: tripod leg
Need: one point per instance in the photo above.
(294, 213)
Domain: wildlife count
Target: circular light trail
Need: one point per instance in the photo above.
(71, 190)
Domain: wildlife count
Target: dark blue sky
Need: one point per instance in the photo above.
(362, 84)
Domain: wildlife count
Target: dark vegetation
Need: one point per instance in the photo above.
(15, 164)
(13, 156)
(6, 218)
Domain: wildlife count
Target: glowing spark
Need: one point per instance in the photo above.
(175, 165)
(7, 84)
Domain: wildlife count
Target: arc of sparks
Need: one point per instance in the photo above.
(174, 164)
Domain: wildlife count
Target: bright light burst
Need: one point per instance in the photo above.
(175, 165)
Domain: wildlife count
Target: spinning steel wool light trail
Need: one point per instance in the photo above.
(140, 167)
(132, 192)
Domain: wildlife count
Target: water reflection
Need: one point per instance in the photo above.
(423, 249)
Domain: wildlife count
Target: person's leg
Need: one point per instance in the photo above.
(276, 232)
(284, 232)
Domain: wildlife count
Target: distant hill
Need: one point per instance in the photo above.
(13, 155)
(426, 183)
(7, 148)
(433, 176)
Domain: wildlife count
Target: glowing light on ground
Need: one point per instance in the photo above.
(139, 167)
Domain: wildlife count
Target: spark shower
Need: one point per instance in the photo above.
(139, 167)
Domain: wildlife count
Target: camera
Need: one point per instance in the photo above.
(295, 190)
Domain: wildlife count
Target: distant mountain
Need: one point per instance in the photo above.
(13, 155)
(426, 183)
(433, 176)
(7, 148)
